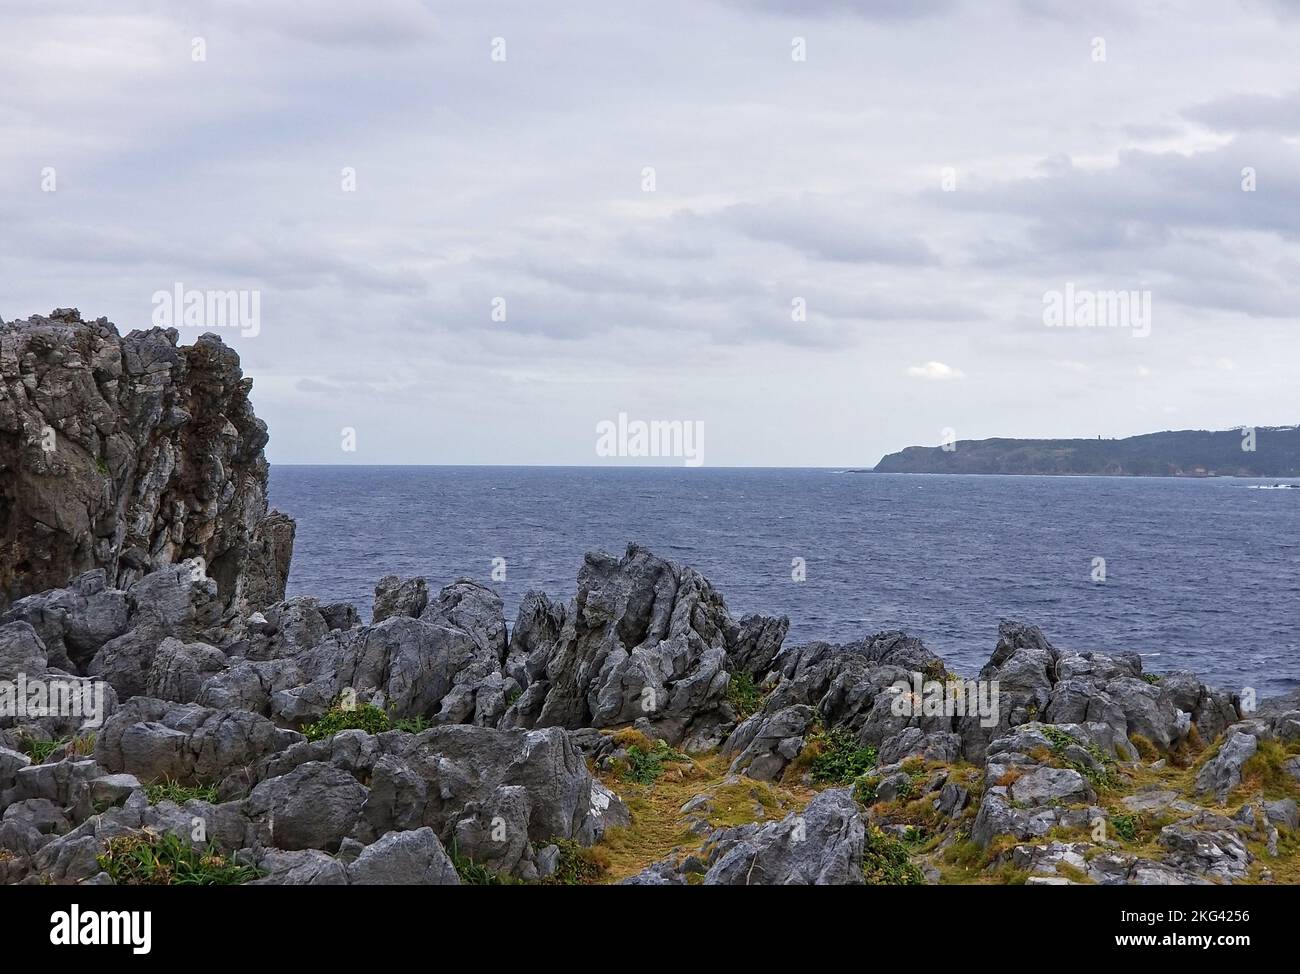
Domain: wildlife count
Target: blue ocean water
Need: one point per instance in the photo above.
(1200, 574)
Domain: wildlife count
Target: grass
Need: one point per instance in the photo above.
(1102, 778)
(148, 858)
(743, 694)
(39, 751)
(645, 761)
(366, 717)
(839, 759)
(886, 861)
(411, 725)
(1265, 771)
(1126, 826)
(1147, 751)
(1073, 873)
(578, 865)
(168, 790)
(660, 830)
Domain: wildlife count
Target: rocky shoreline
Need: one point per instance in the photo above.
(637, 733)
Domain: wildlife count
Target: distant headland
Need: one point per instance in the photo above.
(1249, 452)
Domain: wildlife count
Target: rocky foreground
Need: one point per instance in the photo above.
(637, 733)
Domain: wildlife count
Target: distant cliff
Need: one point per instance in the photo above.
(1182, 453)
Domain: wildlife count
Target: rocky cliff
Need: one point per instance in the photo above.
(129, 454)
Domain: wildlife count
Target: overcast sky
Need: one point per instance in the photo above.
(775, 179)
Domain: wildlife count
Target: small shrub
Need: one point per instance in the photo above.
(170, 791)
(1073, 873)
(1125, 826)
(840, 758)
(1151, 678)
(1266, 770)
(644, 766)
(743, 695)
(864, 789)
(366, 717)
(965, 855)
(149, 859)
(886, 861)
(412, 725)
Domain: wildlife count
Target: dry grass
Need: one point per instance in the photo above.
(660, 830)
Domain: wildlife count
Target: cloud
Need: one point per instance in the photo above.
(879, 10)
(823, 230)
(935, 372)
(778, 181)
(1251, 113)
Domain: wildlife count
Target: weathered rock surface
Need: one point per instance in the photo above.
(129, 454)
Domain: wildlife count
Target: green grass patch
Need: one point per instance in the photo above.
(645, 764)
(1125, 826)
(149, 859)
(168, 790)
(39, 751)
(1103, 778)
(840, 759)
(411, 725)
(366, 717)
(886, 861)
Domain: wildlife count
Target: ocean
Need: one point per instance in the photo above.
(1200, 575)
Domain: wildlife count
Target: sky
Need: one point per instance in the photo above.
(818, 231)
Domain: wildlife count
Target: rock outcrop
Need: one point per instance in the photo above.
(458, 739)
(129, 454)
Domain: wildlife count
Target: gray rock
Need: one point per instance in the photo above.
(178, 670)
(763, 746)
(822, 845)
(1045, 785)
(414, 858)
(395, 596)
(647, 640)
(156, 739)
(1219, 854)
(1283, 812)
(303, 867)
(1222, 773)
(314, 806)
(494, 832)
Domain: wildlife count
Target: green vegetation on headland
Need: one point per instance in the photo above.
(1261, 452)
